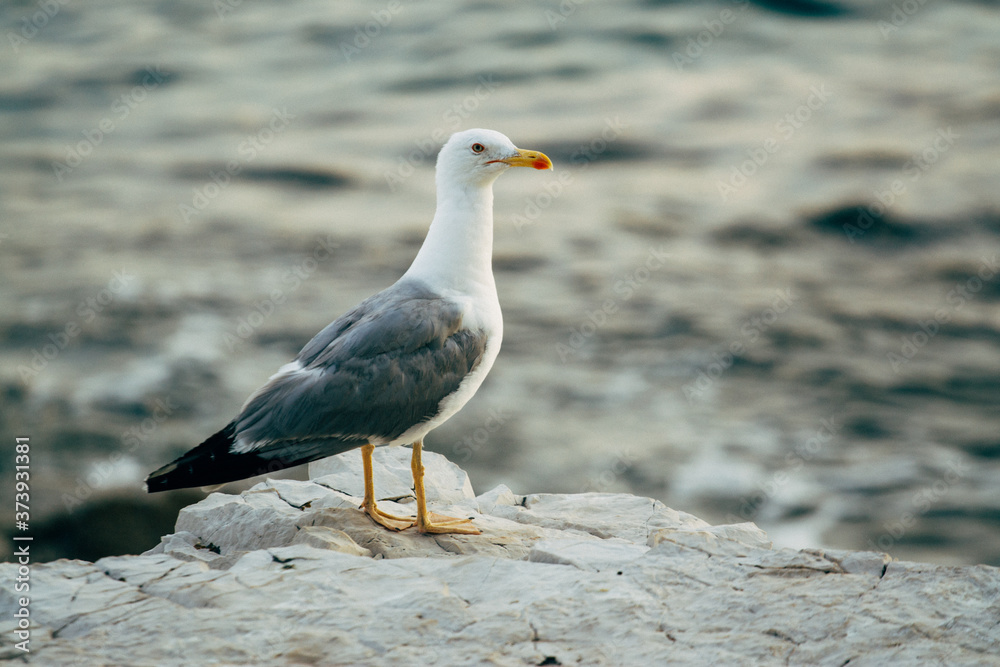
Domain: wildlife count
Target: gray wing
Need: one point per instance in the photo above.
(371, 374)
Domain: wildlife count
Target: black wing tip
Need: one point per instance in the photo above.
(212, 462)
(207, 464)
(159, 480)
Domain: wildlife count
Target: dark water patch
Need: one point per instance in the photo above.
(504, 445)
(647, 38)
(109, 526)
(287, 340)
(27, 334)
(48, 339)
(864, 160)
(434, 84)
(980, 283)
(411, 238)
(752, 365)
(40, 162)
(310, 178)
(983, 513)
(983, 332)
(859, 225)
(645, 480)
(12, 393)
(518, 263)
(967, 389)
(146, 311)
(532, 39)
(301, 177)
(897, 325)
(677, 325)
(983, 449)
(486, 82)
(14, 102)
(190, 387)
(582, 152)
(870, 395)
(148, 77)
(788, 339)
(754, 236)
(811, 9)
(793, 512)
(154, 240)
(132, 407)
(153, 74)
(335, 36)
(920, 538)
(657, 227)
(988, 221)
(867, 427)
(81, 440)
(584, 245)
(184, 395)
(987, 111)
(821, 377)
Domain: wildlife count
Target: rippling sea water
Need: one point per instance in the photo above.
(762, 283)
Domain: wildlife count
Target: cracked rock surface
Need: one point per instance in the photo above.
(292, 573)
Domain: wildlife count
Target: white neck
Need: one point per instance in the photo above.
(458, 251)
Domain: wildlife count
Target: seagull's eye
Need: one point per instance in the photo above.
(478, 148)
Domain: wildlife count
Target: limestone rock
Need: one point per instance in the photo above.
(293, 573)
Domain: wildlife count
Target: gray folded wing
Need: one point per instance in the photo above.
(369, 376)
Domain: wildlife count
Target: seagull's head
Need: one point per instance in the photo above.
(477, 157)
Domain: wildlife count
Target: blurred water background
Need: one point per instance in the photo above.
(762, 283)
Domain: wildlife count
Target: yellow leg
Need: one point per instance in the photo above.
(430, 522)
(378, 516)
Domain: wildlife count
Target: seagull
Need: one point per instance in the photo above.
(395, 367)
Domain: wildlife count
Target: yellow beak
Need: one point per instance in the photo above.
(526, 158)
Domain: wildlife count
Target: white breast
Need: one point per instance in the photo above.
(486, 318)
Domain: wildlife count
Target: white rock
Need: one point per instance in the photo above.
(303, 577)
(603, 515)
(733, 540)
(586, 554)
(324, 537)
